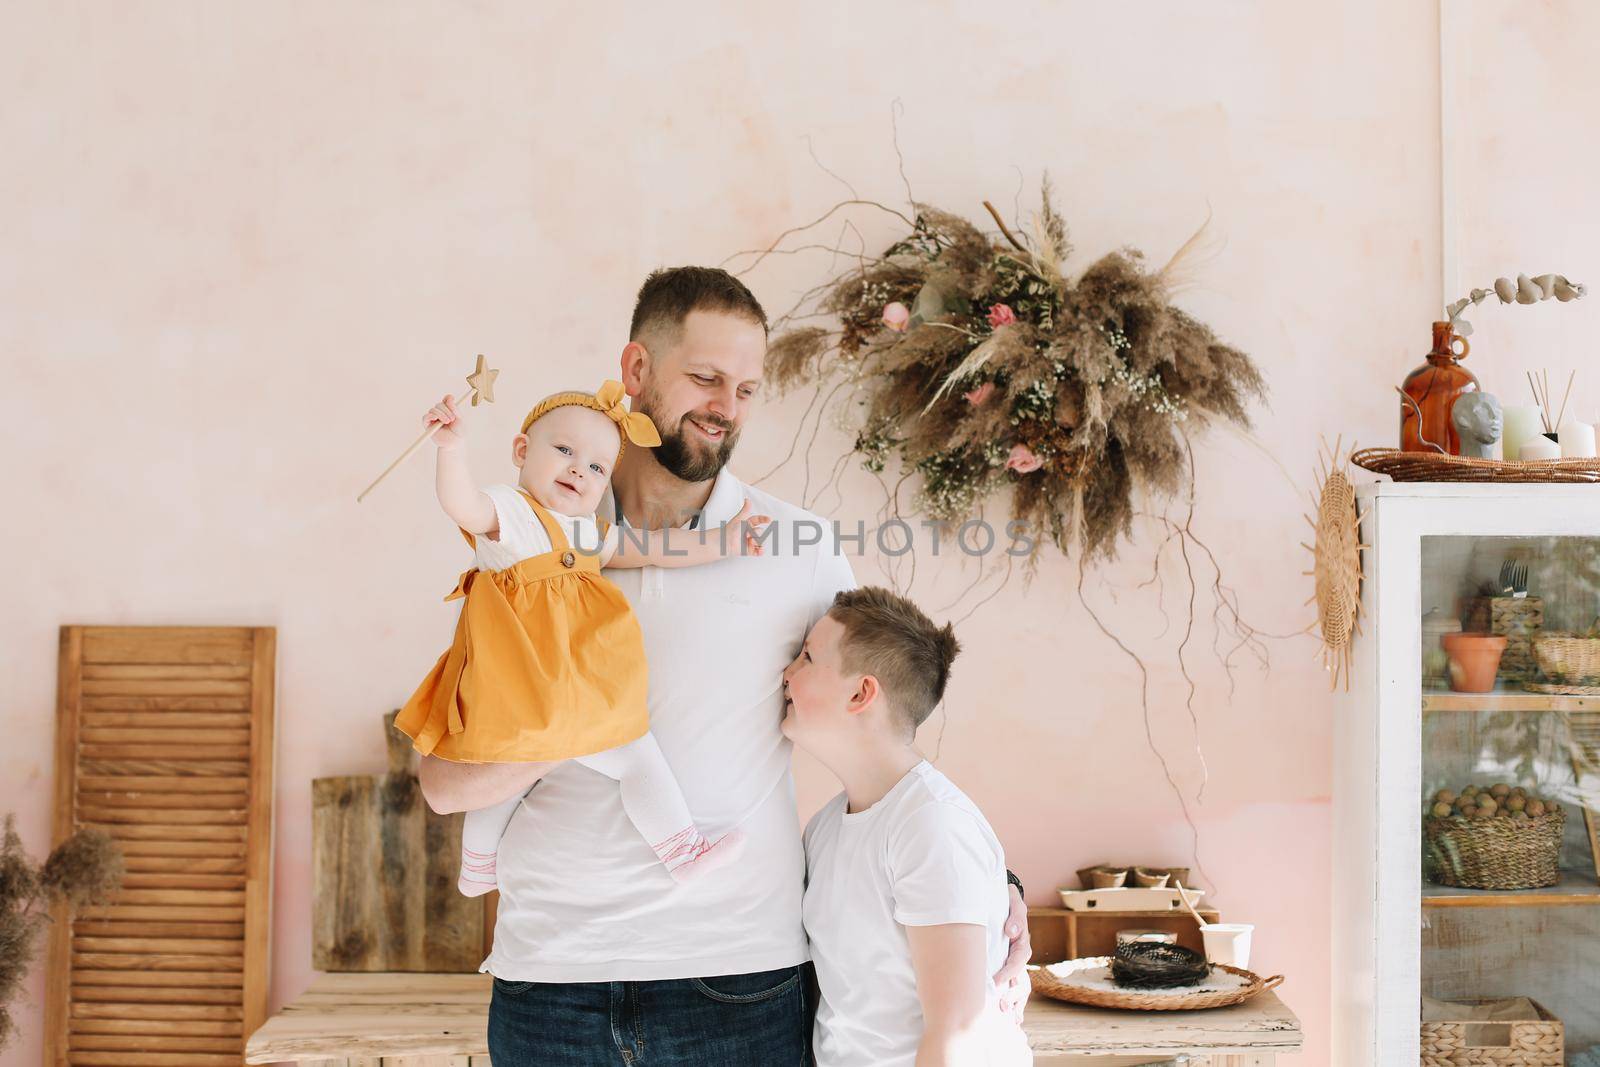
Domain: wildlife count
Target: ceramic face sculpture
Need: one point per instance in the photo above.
(1477, 419)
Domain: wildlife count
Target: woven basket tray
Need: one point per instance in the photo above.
(1562, 690)
(1434, 467)
(1495, 853)
(1047, 984)
(1518, 1044)
(1566, 658)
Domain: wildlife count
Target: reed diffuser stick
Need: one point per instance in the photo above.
(1564, 398)
(1544, 415)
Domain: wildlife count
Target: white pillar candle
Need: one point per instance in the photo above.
(1577, 440)
(1522, 424)
(1540, 447)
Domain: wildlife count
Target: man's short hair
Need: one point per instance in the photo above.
(890, 638)
(668, 296)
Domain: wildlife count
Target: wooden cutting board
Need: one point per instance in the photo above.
(384, 875)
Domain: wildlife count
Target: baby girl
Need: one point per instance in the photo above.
(548, 659)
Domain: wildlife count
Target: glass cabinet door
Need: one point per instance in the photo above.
(1511, 775)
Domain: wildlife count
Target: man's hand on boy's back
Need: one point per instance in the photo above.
(1012, 977)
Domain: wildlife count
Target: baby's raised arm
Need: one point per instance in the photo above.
(685, 548)
(468, 506)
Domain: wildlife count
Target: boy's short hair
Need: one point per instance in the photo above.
(890, 638)
(668, 296)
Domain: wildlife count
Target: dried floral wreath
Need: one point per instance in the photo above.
(978, 366)
(983, 367)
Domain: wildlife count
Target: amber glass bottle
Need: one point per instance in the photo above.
(1432, 389)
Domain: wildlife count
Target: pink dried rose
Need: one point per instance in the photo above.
(1022, 460)
(896, 316)
(979, 396)
(1001, 315)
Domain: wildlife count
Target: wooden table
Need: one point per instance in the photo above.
(1246, 1035)
(381, 1020)
(441, 1020)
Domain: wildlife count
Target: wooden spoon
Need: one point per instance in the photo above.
(1185, 898)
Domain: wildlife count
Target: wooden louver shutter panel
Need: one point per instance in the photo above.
(164, 740)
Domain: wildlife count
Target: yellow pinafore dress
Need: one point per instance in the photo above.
(547, 664)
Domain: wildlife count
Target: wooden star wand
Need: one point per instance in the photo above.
(480, 387)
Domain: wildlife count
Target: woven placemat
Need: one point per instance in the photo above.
(1434, 467)
(1047, 984)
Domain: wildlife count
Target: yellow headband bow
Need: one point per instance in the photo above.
(635, 426)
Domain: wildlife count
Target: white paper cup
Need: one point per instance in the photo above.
(1228, 943)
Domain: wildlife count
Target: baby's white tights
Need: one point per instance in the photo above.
(652, 799)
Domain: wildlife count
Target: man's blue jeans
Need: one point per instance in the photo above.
(738, 1020)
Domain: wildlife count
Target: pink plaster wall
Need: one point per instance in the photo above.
(245, 244)
(1522, 155)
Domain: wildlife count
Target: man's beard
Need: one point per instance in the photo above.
(684, 453)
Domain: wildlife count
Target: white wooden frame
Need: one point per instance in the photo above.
(1377, 832)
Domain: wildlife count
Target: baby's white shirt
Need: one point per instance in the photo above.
(522, 534)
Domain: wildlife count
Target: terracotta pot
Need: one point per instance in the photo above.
(1474, 660)
(1106, 879)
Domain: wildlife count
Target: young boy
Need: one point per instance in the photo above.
(905, 900)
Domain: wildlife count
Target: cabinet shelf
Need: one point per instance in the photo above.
(1400, 735)
(1573, 889)
(1505, 699)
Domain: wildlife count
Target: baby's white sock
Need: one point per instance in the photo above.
(688, 854)
(655, 805)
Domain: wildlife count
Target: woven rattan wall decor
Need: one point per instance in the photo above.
(1336, 562)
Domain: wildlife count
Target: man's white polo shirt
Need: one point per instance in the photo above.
(582, 897)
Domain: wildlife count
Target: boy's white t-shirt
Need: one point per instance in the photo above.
(922, 856)
(522, 535)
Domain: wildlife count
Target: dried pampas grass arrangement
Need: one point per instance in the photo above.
(84, 869)
(983, 368)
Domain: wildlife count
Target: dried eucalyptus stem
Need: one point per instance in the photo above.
(1524, 290)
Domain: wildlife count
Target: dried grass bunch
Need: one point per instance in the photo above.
(84, 869)
(984, 368)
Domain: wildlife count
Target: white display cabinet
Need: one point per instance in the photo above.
(1401, 734)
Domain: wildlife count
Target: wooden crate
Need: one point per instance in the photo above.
(164, 739)
(1059, 934)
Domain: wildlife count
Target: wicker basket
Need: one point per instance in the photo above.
(1567, 659)
(1433, 467)
(1562, 690)
(1480, 1044)
(1047, 984)
(1495, 853)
